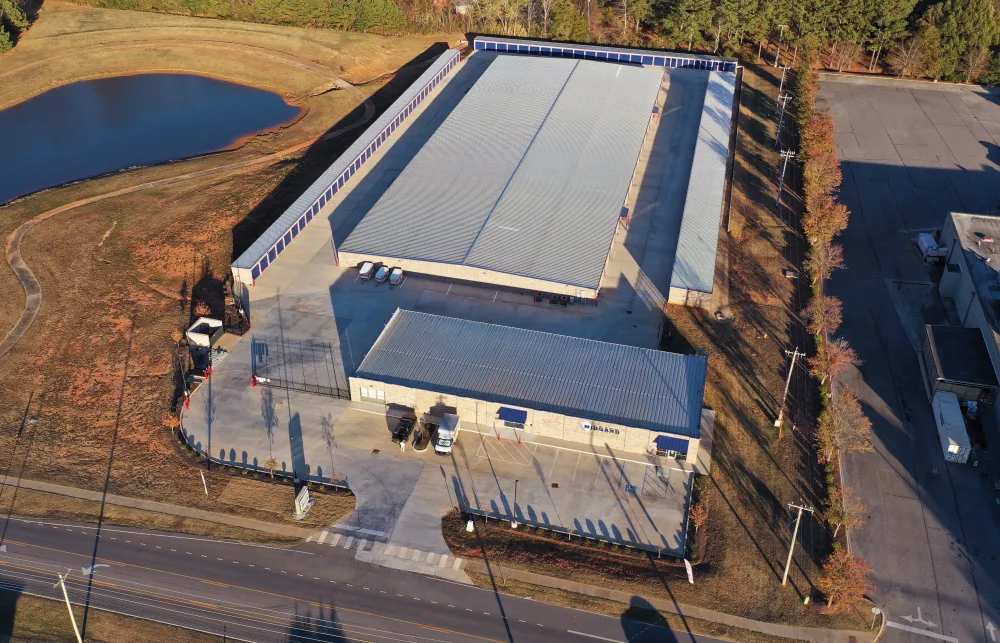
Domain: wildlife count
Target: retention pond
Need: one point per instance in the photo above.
(95, 127)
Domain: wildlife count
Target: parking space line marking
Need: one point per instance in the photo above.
(573, 477)
(553, 467)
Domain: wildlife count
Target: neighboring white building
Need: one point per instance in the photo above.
(971, 276)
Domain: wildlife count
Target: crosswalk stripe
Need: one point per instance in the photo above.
(430, 558)
(444, 560)
(350, 540)
(458, 561)
(416, 555)
(322, 536)
(336, 539)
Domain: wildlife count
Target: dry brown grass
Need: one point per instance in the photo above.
(754, 473)
(137, 261)
(29, 619)
(612, 608)
(327, 510)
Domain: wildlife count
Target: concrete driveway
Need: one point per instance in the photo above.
(912, 152)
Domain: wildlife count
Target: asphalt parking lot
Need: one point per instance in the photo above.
(912, 152)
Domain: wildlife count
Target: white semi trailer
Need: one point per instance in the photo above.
(951, 427)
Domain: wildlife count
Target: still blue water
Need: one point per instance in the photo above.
(94, 127)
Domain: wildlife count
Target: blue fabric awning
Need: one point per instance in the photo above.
(513, 415)
(667, 443)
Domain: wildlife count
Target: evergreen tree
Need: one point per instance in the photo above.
(963, 24)
(568, 23)
(685, 20)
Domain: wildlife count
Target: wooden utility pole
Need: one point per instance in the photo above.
(781, 412)
(795, 534)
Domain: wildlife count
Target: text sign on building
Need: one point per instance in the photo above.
(590, 426)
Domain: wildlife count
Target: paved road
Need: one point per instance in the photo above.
(911, 154)
(312, 593)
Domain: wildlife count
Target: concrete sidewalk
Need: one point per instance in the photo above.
(817, 635)
(164, 508)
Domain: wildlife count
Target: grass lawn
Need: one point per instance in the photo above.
(138, 261)
(637, 614)
(755, 473)
(29, 619)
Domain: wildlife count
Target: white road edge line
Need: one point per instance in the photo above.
(594, 636)
(915, 630)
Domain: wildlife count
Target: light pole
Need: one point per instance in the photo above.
(795, 534)
(72, 618)
(785, 154)
(781, 37)
(781, 119)
(513, 522)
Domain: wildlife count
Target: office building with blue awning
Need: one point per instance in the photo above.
(527, 384)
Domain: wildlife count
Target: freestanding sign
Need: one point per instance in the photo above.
(303, 503)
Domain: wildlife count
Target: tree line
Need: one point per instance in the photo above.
(842, 425)
(949, 39)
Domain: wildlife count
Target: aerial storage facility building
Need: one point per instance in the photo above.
(523, 183)
(537, 384)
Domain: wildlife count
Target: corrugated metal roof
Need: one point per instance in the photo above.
(526, 176)
(595, 380)
(697, 243)
(257, 249)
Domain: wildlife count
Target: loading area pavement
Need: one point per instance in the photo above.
(585, 490)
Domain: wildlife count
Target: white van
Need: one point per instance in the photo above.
(446, 434)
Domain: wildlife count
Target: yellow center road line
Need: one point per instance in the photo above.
(259, 591)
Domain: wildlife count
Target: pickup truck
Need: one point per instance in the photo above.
(402, 431)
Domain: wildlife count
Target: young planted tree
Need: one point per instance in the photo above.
(824, 315)
(822, 259)
(845, 510)
(699, 516)
(845, 580)
(832, 359)
(271, 464)
(843, 426)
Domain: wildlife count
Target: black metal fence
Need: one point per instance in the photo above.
(307, 366)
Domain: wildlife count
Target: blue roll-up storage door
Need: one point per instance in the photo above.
(514, 415)
(667, 443)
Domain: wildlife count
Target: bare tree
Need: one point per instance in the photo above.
(907, 58)
(975, 62)
(547, 7)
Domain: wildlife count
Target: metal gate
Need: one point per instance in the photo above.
(307, 366)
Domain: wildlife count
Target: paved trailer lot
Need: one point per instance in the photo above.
(912, 152)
